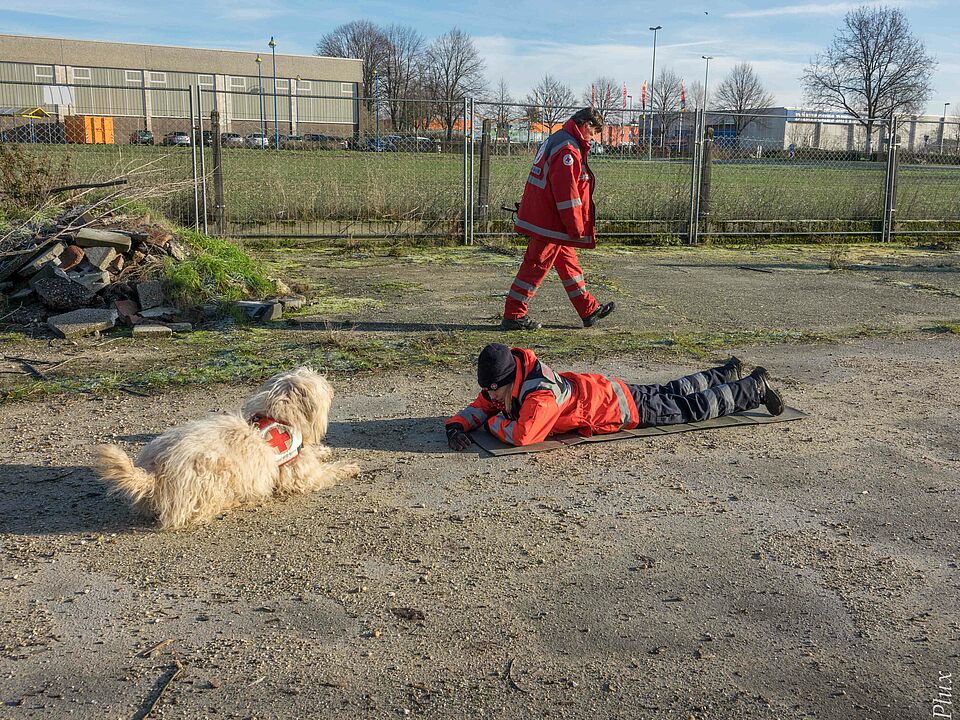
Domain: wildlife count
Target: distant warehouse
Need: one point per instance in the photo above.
(147, 87)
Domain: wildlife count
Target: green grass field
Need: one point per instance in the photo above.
(424, 192)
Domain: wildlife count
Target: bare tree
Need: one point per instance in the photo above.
(455, 71)
(875, 66)
(605, 94)
(403, 68)
(694, 93)
(550, 102)
(502, 106)
(358, 39)
(743, 94)
(665, 102)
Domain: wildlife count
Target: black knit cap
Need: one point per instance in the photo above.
(495, 366)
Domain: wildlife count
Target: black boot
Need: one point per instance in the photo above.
(734, 369)
(768, 396)
(598, 314)
(521, 323)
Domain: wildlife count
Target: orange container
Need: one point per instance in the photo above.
(89, 129)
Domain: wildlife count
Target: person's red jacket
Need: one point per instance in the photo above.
(557, 204)
(548, 403)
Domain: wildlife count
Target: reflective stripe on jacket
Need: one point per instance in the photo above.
(557, 204)
(547, 403)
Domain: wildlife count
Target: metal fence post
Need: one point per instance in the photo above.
(193, 151)
(695, 174)
(203, 159)
(473, 204)
(706, 179)
(483, 189)
(466, 181)
(219, 212)
(890, 182)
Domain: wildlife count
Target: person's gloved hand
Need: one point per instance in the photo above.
(457, 439)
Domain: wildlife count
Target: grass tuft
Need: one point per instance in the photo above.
(215, 270)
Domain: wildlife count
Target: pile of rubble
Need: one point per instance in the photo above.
(81, 274)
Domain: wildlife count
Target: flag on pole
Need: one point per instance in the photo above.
(683, 98)
(643, 95)
(593, 95)
(624, 96)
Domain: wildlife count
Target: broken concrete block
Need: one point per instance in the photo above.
(176, 251)
(59, 293)
(151, 331)
(93, 281)
(101, 257)
(293, 302)
(261, 311)
(47, 271)
(50, 254)
(88, 237)
(126, 311)
(150, 294)
(71, 257)
(117, 265)
(157, 313)
(82, 322)
(180, 327)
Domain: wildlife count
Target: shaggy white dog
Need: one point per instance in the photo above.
(190, 474)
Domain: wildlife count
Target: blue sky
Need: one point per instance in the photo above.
(520, 41)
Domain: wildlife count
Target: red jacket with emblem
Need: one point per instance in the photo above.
(557, 204)
(545, 403)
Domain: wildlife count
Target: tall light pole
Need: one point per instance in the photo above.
(263, 129)
(276, 122)
(653, 75)
(296, 125)
(943, 127)
(706, 77)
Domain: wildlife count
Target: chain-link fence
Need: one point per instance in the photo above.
(85, 133)
(300, 163)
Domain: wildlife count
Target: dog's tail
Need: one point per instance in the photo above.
(119, 472)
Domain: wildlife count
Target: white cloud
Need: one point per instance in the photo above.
(829, 8)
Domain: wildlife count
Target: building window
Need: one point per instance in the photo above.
(238, 83)
(43, 72)
(283, 85)
(304, 87)
(346, 88)
(81, 74)
(158, 78)
(205, 80)
(133, 76)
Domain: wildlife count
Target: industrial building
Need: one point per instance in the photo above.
(147, 87)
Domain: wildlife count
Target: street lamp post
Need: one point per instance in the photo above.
(263, 129)
(706, 77)
(943, 126)
(276, 122)
(296, 124)
(653, 75)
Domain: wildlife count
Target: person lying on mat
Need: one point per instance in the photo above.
(523, 401)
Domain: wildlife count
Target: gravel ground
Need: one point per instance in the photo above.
(785, 571)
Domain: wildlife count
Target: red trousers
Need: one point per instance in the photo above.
(537, 261)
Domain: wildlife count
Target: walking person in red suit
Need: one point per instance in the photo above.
(558, 216)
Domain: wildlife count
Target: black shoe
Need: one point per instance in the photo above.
(598, 314)
(521, 323)
(768, 396)
(734, 369)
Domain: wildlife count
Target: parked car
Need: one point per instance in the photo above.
(259, 140)
(178, 137)
(323, 142)
(417, 144)
(207, 138)
(291, 142)
(231, 140)
(38, 132)
(142, 137)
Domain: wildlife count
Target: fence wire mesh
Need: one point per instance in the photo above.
(298, 163)
(90, 133)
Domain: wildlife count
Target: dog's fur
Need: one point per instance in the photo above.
(192, 473)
